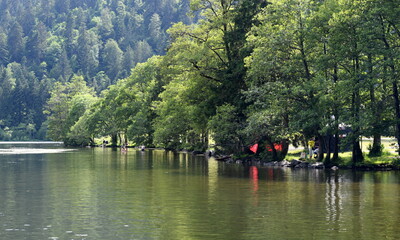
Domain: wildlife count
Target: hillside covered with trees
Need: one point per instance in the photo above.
(47, 42)
(247, 71)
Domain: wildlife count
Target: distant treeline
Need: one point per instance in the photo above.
(43, 42)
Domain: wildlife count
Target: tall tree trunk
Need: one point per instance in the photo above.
(321, 148)
(376, 149)
(285, 149)
(356, 149)
(328, 150)
(394, 84)
(376, 122)
(274, 152)
(357, 152)
(357, 155)
(335, 156)
(285, 142)
(114, 139)
(397, 109)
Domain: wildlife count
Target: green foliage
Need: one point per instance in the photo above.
(172, 123)
(53, 40)
(67, 103)
(225, 129)
(248, 71)
(396, 162)
(140, 90)
(375, 151)
(318, 64)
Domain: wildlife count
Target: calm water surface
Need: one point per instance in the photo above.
(105, 194)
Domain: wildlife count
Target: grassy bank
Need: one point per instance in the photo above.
(389, 156)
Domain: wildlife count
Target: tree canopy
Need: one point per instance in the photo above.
(237, 73)
(44, 42)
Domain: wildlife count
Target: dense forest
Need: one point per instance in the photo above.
(46, 42)
(245, 72)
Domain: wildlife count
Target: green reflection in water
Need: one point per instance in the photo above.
(105, 194)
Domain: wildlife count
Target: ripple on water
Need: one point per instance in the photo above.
(32, 151)
(81, 235)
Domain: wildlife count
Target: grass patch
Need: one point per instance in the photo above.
(388, 157)
(385, 158)
(294, 154)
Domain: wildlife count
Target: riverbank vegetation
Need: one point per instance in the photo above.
(45, 44)
(274, 73)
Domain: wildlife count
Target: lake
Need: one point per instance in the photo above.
(49, 192)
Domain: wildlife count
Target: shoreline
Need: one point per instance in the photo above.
(295, 163)
(249, 161)
(300, 164)
(31, 142)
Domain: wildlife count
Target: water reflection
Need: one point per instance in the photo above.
(212, 177)
(333, 200)
(153, 194)
(253, 172)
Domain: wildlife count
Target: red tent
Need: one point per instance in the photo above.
(277, 146)
(254, 148)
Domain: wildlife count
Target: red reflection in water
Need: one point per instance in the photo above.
(253, 172)
(254, 175)
(270, 175)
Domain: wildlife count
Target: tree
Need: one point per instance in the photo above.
(120, 28)
(157, 39)
(76, 135)
(4, 54)
(56, 39)
(67, 103)
(106, 27)
(284, 90)
(112, 59)
(88, 51)
(385, 14)
(100, 82)
(208, 68)
(37, 43)
(224, 126)
(63, 67)
(128, 62)
(347, 32)
(142, 51)
(62, 6)
(108, 117)
(140, 91)
(173, 118)
(15, 42)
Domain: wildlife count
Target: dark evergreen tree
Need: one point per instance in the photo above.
(128, 62)
(4, 55)
(63, 67)
(36, 44)
(112, 59)
(62, 6)
(16, 42)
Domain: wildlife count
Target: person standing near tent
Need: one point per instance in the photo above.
(311, 145)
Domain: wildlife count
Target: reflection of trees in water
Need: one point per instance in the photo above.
(359, 203)
(334, 200)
